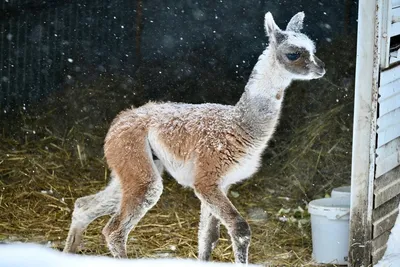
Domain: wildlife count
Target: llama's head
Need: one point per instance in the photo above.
(293, 50)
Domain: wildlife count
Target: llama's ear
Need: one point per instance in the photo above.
(296, 23)
(270, 25)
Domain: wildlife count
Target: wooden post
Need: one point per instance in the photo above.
(364, 133)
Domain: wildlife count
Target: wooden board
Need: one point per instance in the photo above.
(383, 218)
(394, 29)
(388, 149)
(387, 163)
(385, 209)
(385, 223)
(387, 135)
(379, 243)
(390, 75)
(389, 89)
(364, 132)
(389, 104)
(377, 255)
(389, 119)
(396, 14)
(388, 127)
(387, 187)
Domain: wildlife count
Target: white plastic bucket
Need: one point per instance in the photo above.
(330, 229)
(343, 191)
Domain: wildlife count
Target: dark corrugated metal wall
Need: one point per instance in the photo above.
(47, 43)
(44, 46)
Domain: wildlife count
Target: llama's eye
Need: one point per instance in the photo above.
(293, 56)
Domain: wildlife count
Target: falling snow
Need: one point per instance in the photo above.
(191, 53)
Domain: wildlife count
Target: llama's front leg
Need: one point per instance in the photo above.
(208, 233)
(212, 196)
(89, 208)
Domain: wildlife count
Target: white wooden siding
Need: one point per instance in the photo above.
(389, 104)
(394, 29)
(387, 187)
(389, 27)
(386, 201)
(396, 14)
(379, 247)
(394, 55)
(383, 214)
(388, 149)
(389, 76)
(389, 90)
(390, 119)
(375, 178)
(387, 161)
(388, 157)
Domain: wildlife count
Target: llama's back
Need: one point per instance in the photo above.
(180, 135)
(187, 127)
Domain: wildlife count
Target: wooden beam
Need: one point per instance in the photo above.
(395, 29)
(387, 187)
(384, 33)
(364, 132)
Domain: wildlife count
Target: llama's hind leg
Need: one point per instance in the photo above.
(208, 233)
(88, 208)
(215, 199)
(141, 189)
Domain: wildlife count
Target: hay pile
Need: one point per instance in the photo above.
(42, 178)
(51, 154)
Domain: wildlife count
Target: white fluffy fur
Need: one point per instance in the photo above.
(268, 78)
(183, 172)
(301, 40)
(246, 167)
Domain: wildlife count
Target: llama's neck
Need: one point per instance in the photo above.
(259, 107)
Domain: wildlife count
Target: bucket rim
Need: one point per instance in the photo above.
(326, 207)
(342, 189)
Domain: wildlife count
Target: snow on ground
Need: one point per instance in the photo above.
(32, 255)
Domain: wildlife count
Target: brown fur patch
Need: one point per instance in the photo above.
(207, 133)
